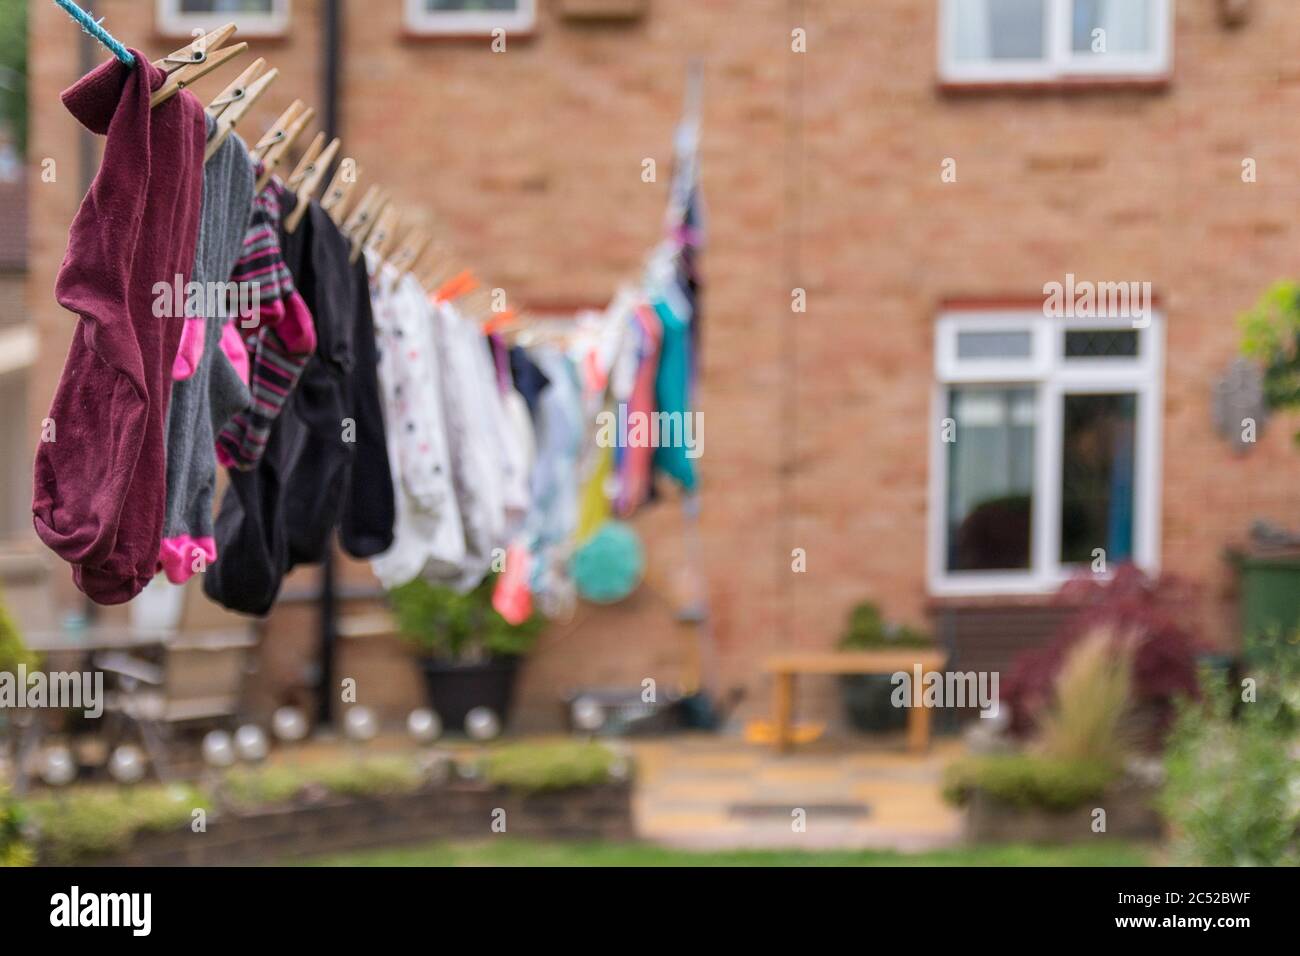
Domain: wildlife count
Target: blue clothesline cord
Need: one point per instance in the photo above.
(91, 26)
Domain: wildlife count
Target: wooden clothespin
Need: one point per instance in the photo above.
(441, 266)
(361, 212)
(237, 89)
(278, 129)
(294, 179)
(277, 150)
(339, 192)
(234, 112)
(411, 249)
(383, 239)
(194, 61)
(367, 225)
(310, 181)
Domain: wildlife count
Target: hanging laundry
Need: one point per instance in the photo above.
(200, 397)
(283, 512)
(427, 532)
(283, 336)
(99, 490)
(468, 392)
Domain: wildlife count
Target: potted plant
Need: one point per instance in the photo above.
(867, 696)
(467, 651)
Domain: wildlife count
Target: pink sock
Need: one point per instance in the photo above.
(190, 350)
(176, 556)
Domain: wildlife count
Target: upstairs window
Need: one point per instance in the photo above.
(470, 17)
(253, 17)
(997, 41)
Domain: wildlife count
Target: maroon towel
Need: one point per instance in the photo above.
(100, 485)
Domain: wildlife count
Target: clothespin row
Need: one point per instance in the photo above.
(194, 61)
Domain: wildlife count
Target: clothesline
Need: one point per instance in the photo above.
(453, 455)
(96, 29)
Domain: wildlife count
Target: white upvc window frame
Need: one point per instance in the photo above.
(424, 22)
(172, 22)
(1060, 62)
(1053, 377)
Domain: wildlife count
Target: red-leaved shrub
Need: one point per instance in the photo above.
(1128, 605)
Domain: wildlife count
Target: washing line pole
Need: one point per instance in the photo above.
(327, 601)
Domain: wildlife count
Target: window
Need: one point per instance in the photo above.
(1036, 40)
(253, 17)
(466, 17)
(1046, 453)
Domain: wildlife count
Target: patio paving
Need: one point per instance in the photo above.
(720, 792)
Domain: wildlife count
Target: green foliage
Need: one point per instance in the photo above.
(560, 765)
(1271, 335)
(867, 630)
(14, 850)
(12, 650)
(79, 824)
(250, 787)
(443, 623)
(1231, 778)
(13, 68)
(1028, 780)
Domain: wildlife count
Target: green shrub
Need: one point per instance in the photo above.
(560, 765)
(14, 850)
(249, 787)
(1271, 336)
(867, 630)
(86, 822)
(443, 623)
(12, 650)
(1231, 782)
(374, 777)
(1028, 780)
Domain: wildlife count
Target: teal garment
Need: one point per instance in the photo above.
(609, 565)
(672, 395)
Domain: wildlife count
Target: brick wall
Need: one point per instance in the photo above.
(818, 424)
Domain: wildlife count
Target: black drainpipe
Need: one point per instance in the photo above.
(331, 48)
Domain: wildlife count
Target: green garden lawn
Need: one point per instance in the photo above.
(505, 851)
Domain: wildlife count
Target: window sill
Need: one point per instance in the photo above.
(1157, 83)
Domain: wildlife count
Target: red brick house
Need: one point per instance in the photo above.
(923, 170)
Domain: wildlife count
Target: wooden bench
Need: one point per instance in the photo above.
(784, 668)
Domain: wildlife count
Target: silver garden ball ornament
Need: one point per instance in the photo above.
(58, 768)
(360, 725)
(127, 764)
(251, 743)
(218, 751)
(482, 723)
(288, 724)
(588, 714)
(423, 725)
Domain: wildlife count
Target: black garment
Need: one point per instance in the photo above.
(326, 460)
(530, 380)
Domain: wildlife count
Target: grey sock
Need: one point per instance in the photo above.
(191, 462)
